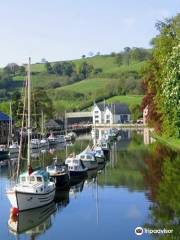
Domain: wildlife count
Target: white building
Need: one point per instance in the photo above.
(110, 113)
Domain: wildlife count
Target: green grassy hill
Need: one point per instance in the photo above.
(116, 82)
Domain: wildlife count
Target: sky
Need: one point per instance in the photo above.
(67, 29)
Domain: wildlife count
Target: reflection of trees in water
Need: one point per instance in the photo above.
(124, 169)
(163, 180)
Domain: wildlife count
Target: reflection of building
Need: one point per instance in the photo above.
(145, 115)
(147, 136)
(110, 113)
(4, 127)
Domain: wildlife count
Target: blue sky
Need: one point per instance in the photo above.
(66, 29)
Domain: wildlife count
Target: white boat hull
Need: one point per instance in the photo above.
(24, 201)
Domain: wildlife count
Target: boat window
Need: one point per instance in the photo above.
(89, 157)
(75, 161)
(82, 156)
(23, 179)
(32, 178)
(39, 179)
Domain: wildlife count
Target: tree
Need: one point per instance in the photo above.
(57, 68)
(68, 68)
(156, 79)
(48, 68)
(11, 68)
(171, 93)
(119, 58)
(85, 69)
(127, 55)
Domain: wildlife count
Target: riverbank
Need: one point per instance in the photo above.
(173, 143)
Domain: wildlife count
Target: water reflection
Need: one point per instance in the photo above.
(32, 222)
(138, 185)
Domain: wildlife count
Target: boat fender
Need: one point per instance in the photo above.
(14, 212)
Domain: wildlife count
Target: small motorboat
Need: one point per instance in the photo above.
(14, 148)
(88, 158)
(44, 143)
(70, 136)
(59, 173)
(76, 166)
(99, 154)
(35, 143)
(33, 190)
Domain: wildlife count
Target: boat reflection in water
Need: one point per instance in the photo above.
(32, 222)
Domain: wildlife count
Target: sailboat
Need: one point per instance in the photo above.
(34, 188)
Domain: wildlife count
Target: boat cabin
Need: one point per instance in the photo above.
(34, 178)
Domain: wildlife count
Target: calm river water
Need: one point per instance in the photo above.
(139, 186)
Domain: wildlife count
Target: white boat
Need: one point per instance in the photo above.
(70, 136)
(14, 148)
(44, 143)
(32, 191)
(88, 158)
(35, 143)
(76, 166)
(34, 188)
(99, 154)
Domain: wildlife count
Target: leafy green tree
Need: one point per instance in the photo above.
(156, 77)
(68, 68)
(11, 68)
(171, 94)
(85, 69)
(57, 68)
(48, 68)
(119, 58)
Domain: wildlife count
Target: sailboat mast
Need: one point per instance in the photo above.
(42, 124)
(29, 111)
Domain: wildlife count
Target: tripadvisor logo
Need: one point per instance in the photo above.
(139, 231)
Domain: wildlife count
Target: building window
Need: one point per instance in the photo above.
(96, 116)
(97, 112)
(107, 116)
(107, 121)
(96, 121)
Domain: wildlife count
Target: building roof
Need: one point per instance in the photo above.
(54, 124)
(115, 108)
(4, 117)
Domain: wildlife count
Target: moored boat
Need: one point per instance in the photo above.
(14, 148)
(59, 173)
(88, 158)
(99, 154)
(76, 166)
(34, 188)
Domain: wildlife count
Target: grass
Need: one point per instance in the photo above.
(171, 142)
(91, 85)
(127, 99)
